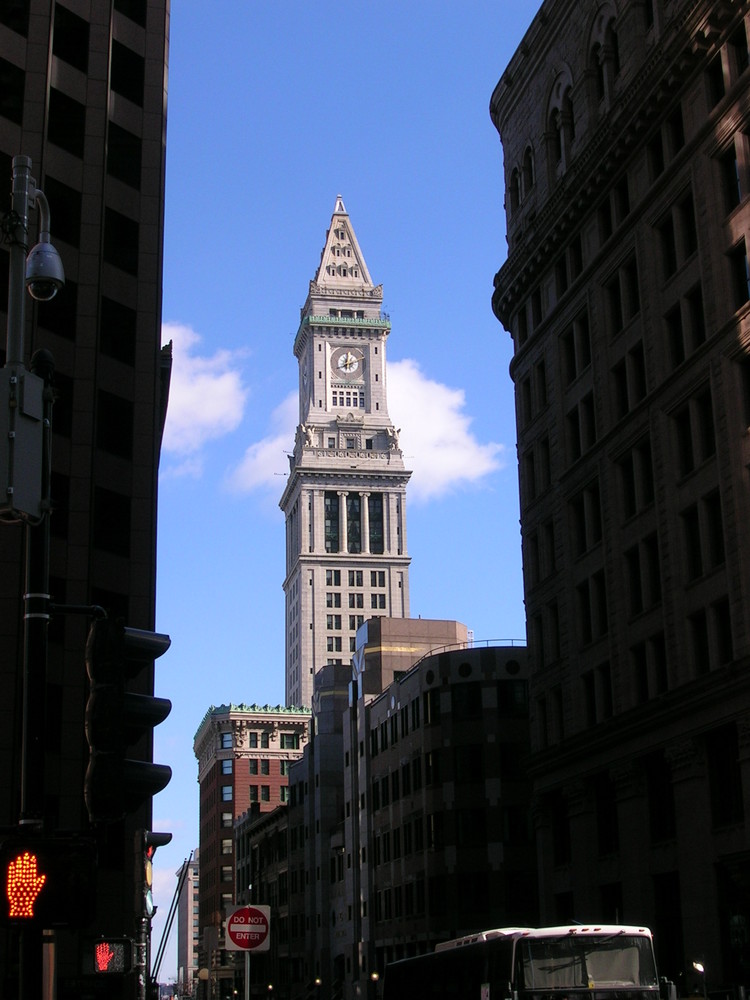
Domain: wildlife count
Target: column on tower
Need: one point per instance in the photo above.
(389, 503)
(318, 520)
(304, 501)
(365, 506)
(402, 520)
(343, 527)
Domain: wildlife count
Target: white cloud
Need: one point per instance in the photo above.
(265, 461)
(436, 439)
(206, 399)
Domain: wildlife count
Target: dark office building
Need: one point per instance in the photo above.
(83, 94)
(625, 130)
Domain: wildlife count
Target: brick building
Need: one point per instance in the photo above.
(244, 754)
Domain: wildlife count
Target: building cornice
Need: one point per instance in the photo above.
(686, 42)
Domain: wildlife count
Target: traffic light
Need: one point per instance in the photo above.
(47, 881)
(150, 841)
(111, 956)
(117, 718)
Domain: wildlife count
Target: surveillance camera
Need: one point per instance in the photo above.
(44, 272)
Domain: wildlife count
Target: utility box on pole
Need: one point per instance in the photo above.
(21, 443)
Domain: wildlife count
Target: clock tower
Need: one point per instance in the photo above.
(345, 499)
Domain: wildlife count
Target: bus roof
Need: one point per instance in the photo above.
(565, 930)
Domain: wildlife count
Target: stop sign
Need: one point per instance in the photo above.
(248, 928)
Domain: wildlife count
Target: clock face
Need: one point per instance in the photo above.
(348, 362)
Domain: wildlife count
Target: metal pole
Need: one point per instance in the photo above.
(23, 183)
(36, 621)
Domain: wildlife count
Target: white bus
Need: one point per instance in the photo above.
(596, 962)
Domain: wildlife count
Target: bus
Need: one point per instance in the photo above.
(602, 962)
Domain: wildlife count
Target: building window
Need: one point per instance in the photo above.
(695, 437)
(660, 796)
(715, 81)
(66, 123)
(127, 73)
(377, 535)
(226, 741)
(528, 171)
(740, 275)
(114, 431)
(226, 845)
(515, 190)
(575, 349)
(124, 156)
(226, 793)
(70, 40)
(586, 518)
(226, 819)
(331, 523)
(121, 235)
(605, 804)
(725, 779)
(65, 203)
(111, 521)
(226, 766)
(289, 741)
(580, 426)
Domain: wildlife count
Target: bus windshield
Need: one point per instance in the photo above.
(585, 962)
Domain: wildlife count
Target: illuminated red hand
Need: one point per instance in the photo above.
(104, 955)
(23, 885)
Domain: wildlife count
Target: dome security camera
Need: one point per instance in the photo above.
(44, 272)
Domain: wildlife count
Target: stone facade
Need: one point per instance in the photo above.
(345, 499)
(625, 136)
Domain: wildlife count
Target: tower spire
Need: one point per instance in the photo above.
(342, 263)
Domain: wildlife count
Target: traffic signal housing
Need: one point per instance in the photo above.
(116, 719)
(150, 841)
(47, 881)
(110, 956)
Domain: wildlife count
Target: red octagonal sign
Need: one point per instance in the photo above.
(248, 928)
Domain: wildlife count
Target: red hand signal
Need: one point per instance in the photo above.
(23, 884)
(103, 955)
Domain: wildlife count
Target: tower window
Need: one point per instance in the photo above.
(331, 517)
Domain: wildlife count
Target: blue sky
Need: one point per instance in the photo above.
(274, 109)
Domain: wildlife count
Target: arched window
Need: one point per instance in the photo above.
(515, 190)
(597, 67)
(560, 124)
(528, 170)
(604, 60)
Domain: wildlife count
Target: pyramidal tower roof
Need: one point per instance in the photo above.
(342, 263)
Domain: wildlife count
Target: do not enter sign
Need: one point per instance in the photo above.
(248, 928)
